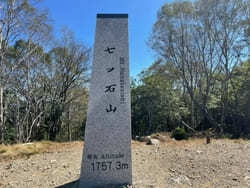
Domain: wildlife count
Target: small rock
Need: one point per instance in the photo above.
(65, 165)
(27, 144)
(28, 180)
(46, 168)
(180, 180)
(172, 170)
(25, 169)
(153, 141)
(143, 138)
(247, 178)
(52, 183)
(199, 152)
(53, 161)
(9, 166)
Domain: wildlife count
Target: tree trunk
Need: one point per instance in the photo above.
(68, 123)
(192, 114)
(224, 102)
(52, 133)
(150, 126)
(1, 93)
(1, 115)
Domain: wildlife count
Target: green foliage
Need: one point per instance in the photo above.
(46, 97)
(190, 39)
(179, 134)
(156, 101)
(201, 78)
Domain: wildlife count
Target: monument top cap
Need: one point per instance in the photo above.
(112, 15)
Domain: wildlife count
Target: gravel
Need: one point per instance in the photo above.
(223, 163)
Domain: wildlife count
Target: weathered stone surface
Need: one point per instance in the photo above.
(107, 148)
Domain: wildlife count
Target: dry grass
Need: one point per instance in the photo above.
(10, 152)
(24, 150)
(239, 141)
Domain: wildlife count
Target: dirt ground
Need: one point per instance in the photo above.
(223, 163)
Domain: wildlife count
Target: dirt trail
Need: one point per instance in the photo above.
(224, 163)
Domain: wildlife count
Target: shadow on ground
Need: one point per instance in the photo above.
(74, 184)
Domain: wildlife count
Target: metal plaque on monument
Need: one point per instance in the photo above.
(107, 147)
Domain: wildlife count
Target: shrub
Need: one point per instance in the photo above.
(179, 134)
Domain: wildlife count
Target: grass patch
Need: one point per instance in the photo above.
(24, 150)
(2, 149)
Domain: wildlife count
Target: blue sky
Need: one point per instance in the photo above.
(80, 17)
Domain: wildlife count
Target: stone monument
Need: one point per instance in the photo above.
(107, 148)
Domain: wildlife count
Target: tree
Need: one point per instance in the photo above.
(201, 39)
(74, 117)
(27, 83)
(18, 19)
(239, 97)
(156, 101)
(67, 71)
(47, 90)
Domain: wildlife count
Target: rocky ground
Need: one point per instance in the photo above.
(223, 163)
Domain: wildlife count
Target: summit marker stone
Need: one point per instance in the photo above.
(107, 148)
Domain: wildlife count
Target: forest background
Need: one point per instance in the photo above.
(200, 80)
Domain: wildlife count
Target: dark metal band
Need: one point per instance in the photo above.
(112, 15)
